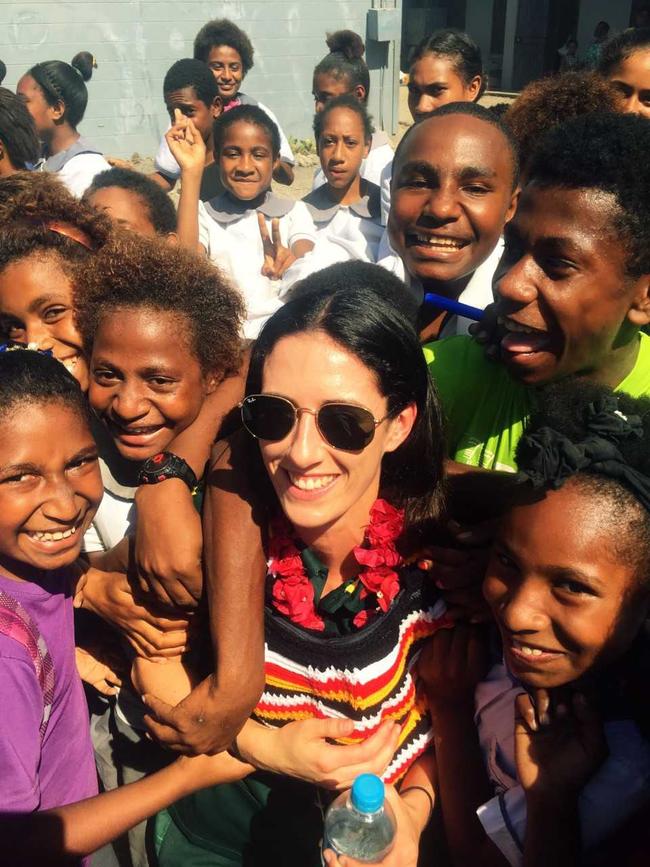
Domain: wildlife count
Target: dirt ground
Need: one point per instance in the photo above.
(306, 163)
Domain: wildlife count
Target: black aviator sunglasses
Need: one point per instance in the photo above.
(344, 426)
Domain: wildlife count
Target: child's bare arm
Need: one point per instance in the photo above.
(188, 149)
(53, 836)
(451, 666)
(210, 717)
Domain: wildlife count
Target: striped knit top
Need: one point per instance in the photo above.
(366, 676)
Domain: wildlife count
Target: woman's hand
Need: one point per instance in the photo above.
(451, 665)
(303, 750)
(186, 144)
(98, 670)
(277, 257)
(404, 852)
(558, 747)
(168, 562)
(151, 633)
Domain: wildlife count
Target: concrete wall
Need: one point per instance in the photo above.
(136, 41)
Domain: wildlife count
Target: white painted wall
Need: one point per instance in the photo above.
(136, 41)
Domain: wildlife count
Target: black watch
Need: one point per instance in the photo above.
(166, 465)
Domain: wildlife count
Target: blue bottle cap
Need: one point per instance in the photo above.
(367, 793)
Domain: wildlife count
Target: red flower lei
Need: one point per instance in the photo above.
(293, 592)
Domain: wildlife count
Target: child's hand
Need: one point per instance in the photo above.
(406, 844)
(303, 750)
(186, 144)
(277, 258)
(152, 633)
(557, 749)
(452, 664)
(98, 670)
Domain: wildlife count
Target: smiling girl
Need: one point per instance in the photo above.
(625, 61)
(344, 426)
(562, 722)
(250, 232)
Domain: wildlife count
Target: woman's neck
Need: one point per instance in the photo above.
(334, 546)
(63, 137)
(347, 195)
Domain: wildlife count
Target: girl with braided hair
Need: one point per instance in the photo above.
(552, 748)
(56, 96)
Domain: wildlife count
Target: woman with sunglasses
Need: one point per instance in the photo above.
(345, 438)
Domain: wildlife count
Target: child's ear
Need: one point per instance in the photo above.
(212, 382)
(366, 149)
(217, 107)
(360, 92)
(57, 112)
(639, 312)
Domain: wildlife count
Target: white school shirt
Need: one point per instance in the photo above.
(166, 165)
(617, 790)
(359, 221)
(477, 293)
(230, 233)
(379, 156)
(77, 166)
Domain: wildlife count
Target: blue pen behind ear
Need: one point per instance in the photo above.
(453, 306)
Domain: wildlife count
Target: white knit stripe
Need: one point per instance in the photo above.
(374, 670)
(405, 755)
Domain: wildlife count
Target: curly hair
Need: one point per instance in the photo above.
(563, 407)
(352, 104)
(144, 273)
(160, 208)
(545, 103)
(621, 47)
(607, 152)
(345, 60)
(30, 203)
(218, 32)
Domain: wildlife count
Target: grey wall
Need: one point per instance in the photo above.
(136, 41)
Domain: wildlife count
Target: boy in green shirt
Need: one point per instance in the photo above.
(573, 289)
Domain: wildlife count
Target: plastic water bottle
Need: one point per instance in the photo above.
(360, 823)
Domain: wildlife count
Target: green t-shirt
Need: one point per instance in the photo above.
(486, 409)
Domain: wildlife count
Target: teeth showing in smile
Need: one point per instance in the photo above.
(509, 325)
(54, 537)
(526, 650)
(433, 241)
(311, 483)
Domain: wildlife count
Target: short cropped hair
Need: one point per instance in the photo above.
(252, 114)
(17, 131)
(160, 208)
(191, 73)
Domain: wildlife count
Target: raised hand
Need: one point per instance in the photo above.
(186, 144)
(277, 257)
(452, 664)
(558, 745)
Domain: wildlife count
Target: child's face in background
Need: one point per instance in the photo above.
(43, 114)
(228, 69)
(342, 147)
(563, 597)
(125, 208)
(188, 103)
(36, 306)
(451, 195)
(246, 160)
(50, 487)
(327, 86)
(434, 81)
(145, 384)
(631, 78)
